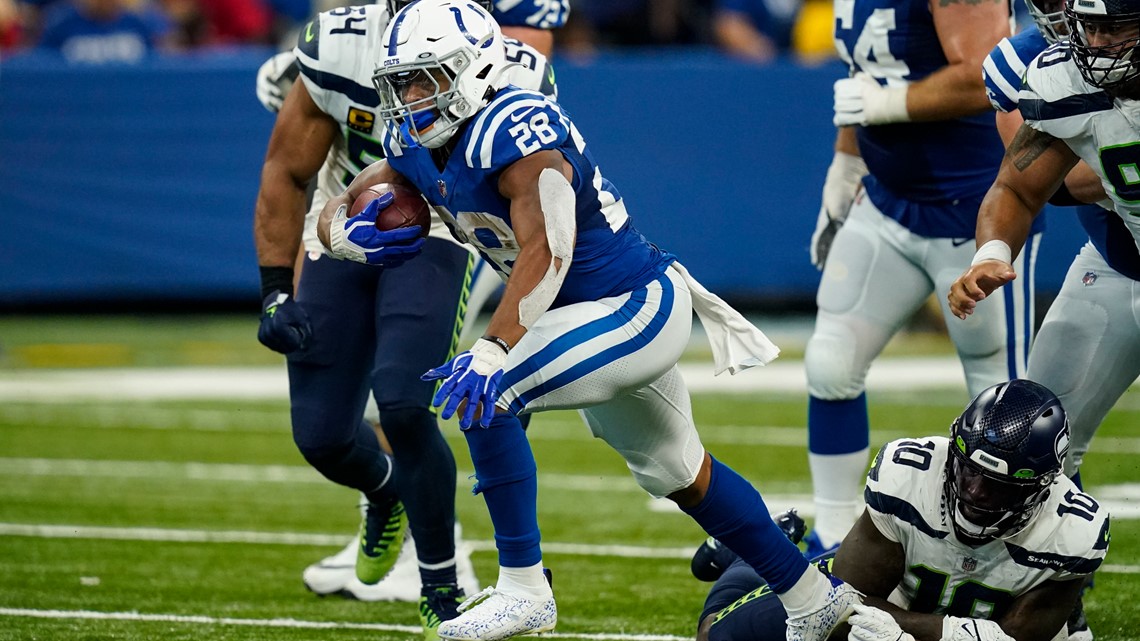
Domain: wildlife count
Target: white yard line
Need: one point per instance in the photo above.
(289, 623)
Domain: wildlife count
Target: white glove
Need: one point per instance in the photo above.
(966, 629)
(844, 177)
(275, 78)
(872, 624)
(861, 100)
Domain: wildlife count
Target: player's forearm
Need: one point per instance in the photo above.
(279, 218)
(528, 270)
(954, 91)
(1006, 215)
(846, 141)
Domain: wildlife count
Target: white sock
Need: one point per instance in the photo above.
(524, 583)
(807, 595)
(837, 486)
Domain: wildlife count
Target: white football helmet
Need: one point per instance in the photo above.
(443, 61)
(1050, 18)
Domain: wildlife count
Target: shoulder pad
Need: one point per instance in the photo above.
(529, 69)
(1070, 535)
(1004, 68)
(336, 52)
(1055, 98)
(538, 14)
(905, 477)
(514, 125)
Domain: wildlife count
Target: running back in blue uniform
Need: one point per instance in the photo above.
(593, 316)
(915, 110)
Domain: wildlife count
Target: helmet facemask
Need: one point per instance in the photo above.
(984, 504)
(420, 103)
(1114, 61)
(1049, 15)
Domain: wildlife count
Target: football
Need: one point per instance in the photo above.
(407, 209)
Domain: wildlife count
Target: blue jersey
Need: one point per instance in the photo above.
(538, 14)
(1004, 68)
(610, 256)
(928, 176)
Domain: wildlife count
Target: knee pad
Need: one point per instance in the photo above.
(829, 360)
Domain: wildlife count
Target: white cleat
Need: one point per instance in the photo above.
(817, 624)
(492, 615)
(336, 574)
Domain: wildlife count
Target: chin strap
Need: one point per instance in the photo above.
(557, 199)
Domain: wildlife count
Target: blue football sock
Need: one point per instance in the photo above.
(734, 513)
(506, 476)
(838, 427)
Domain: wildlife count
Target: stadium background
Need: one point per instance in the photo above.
(148, 483)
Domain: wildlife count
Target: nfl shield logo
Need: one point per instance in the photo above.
(1089, 278)
(969, 564)
(442, 188)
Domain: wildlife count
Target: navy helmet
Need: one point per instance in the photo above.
(1005, 451)
(1103, 35)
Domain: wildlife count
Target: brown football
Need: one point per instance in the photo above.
(407, 209)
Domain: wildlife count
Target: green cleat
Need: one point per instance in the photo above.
(381, 537)
(437, 605)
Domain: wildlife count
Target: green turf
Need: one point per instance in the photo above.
(222, 465)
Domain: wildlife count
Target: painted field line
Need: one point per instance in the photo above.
(337, 540)
(289, 623)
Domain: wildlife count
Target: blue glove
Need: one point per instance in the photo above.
(284, 326)
(472, 376)
(358, 239)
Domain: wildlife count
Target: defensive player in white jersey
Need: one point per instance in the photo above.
(915, 153)
(1081, 102)
(978, 537)
(593, 316)
(354, 330)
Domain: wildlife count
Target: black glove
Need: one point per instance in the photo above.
(284, 326)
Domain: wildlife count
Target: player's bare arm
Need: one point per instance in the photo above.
(519, 184)
(1082, 182)
(374, 174)
(540, 39)
(968, 30)
(1034, 166)
(298, 145)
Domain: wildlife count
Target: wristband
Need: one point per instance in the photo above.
(276, 279)
(993, 250)
(502, 344)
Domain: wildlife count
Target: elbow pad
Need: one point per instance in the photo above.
(557, 199)
(966, 629)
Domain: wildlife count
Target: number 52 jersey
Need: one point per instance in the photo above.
(1066, 539)
(338, 52)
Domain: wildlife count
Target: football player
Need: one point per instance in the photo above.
(917, 142)
(593, 316)
(974, 537)
(1079, 100)
(352, 330)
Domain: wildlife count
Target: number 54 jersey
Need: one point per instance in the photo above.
(337, 53)
(1067, 538)
(1103, 131)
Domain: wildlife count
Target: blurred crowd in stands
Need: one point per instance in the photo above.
(118, 31)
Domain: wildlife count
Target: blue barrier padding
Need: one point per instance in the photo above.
(140, 181)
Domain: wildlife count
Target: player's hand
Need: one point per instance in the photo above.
(861, 100)
(275, 78)
(358, 239)
(470, 379)
(872, 624)
(844, 177)
(979, 281)
(284, 325)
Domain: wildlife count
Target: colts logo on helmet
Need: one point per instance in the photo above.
(467, 34)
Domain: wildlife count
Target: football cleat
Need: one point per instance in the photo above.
(492, 615)
(437, 605)
(381, 537)
(815, 548)
(792, 525)
(331, 574)
(818, 624)
(1077, 625)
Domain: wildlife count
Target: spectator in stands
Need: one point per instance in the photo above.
(11, 26)
(100, 31)
(201, 23)
(757, 30)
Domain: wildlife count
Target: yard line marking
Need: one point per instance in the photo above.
(337, 540)
(291, 623)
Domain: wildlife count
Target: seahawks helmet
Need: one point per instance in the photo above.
(1050, 18)
(442, 61)
(1114, 25)
(1005, 451)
